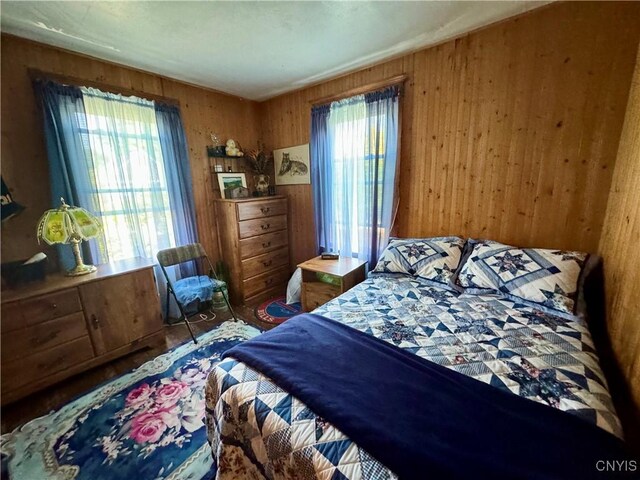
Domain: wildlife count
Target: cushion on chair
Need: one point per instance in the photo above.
(191, 290)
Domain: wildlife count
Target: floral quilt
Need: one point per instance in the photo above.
(258, 430)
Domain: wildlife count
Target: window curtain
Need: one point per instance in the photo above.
(178, 172)
(131, 190)
(354, 149)
(70, 161)
(321, 177)
(380, 170)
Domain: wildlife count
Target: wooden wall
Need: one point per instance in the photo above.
(620, 243)
(24, 158)
(508, 133)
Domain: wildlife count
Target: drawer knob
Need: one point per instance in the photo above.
(265, 210)
(266, 264)
(95, 323)
(54, 305)
(269, 281)
(265, 226)
(266, 244)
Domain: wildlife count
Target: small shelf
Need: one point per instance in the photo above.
(211, 153)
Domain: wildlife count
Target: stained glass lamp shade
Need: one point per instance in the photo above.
(71, 225)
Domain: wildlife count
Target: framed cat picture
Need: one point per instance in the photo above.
(292, 165)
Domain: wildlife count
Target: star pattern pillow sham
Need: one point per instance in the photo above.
(546, 277)
(434, 259)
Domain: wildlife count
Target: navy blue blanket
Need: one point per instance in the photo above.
(418, 418)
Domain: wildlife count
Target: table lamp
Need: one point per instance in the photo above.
(68, 224)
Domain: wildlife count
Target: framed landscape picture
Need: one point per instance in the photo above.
(231, 180)
(292, 165)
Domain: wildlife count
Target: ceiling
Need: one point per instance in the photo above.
(256, 50)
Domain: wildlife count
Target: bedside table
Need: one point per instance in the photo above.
(345, 272)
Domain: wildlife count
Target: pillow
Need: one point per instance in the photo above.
(546, 277)
(435, 258)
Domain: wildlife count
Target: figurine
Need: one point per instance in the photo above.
(232, 150)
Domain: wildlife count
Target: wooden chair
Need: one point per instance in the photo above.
(175, 256)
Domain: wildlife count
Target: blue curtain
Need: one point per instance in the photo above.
(321, 175)
(70, 159)
(354, 151)
(178, 172)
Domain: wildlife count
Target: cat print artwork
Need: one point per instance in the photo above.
(292, 165)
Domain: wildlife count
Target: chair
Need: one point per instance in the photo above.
(175, 256)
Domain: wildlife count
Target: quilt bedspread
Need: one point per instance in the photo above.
(258, 430)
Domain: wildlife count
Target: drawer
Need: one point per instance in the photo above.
(28, 369)
(265, 281)
(42, 336)
(46, 307)
(12, 317)
(32, 311)
(265, 262)
(251, 228)
(253, 246)
(261, 209)
(315, 294)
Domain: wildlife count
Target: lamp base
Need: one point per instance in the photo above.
(81, 270)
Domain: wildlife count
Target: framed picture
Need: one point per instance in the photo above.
(292, 165)
(231, 180)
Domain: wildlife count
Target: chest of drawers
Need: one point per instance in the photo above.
(62, 326)
(253, 237)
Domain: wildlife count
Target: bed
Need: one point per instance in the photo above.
(512, 346)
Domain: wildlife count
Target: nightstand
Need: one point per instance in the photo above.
(338, 275)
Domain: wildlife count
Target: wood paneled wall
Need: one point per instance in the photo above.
(508, 133)
(619, 246)
(24, 158)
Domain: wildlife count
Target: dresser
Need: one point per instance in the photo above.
(253, 238)
(59, 327)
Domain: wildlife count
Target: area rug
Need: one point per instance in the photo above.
(276, 310)
(146, 424)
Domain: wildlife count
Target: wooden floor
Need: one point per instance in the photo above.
(41, 403)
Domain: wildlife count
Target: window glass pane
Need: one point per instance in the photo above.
(131, 189)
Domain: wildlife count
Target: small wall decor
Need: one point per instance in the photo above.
(233, 150)
(231, 180)
(217, 148)
(292, 165)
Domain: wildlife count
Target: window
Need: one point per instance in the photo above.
(130, 185)
(354, 149)
(358, 157)
(125, 159)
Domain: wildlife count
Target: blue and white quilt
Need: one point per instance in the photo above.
(258, 430)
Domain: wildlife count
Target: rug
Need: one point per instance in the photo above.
(145, 424)
(276, 310)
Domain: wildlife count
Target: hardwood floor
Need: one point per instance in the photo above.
(41, 403)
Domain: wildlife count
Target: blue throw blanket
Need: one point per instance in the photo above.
(418, 418)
